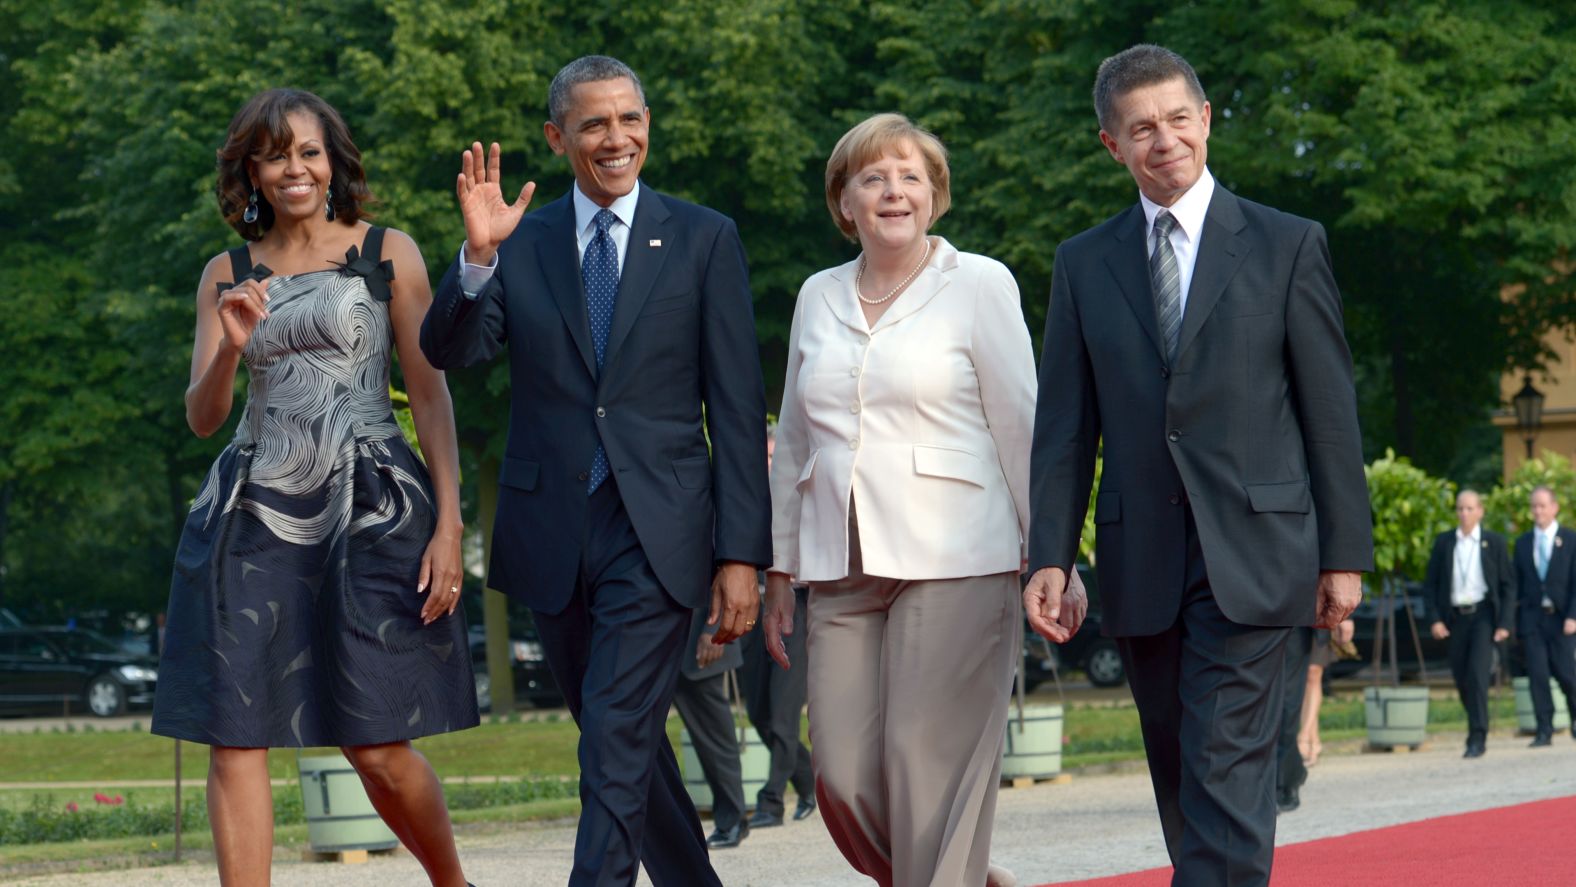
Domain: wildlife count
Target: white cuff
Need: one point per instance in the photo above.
(474, 277)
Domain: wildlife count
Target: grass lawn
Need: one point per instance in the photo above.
(1096, 735)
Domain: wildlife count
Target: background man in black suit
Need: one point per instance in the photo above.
(1469, 593)
(702, 701)
(628, 320)
(1546, 604)
(1212, 361)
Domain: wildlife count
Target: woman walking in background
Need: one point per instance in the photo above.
(315, 588)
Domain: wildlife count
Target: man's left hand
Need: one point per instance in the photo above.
(1340, 592)
(735, 601)
(707, 652)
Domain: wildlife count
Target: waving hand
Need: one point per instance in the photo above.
(488, 219)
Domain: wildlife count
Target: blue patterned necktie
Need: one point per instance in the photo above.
(1167, 279)
(599, 276)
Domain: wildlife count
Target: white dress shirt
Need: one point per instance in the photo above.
(1544, 539)
(922, 420)
(1189, 211)
(1468, 585)
(474, 277)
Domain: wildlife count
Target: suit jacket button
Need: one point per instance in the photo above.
(1165, 372)
(601, 413)
(1174, 436)
(1175, 499)
(584, 475)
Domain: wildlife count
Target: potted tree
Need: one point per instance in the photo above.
(1409, 509)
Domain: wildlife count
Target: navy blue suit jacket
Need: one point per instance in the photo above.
(682, 362)
(1559, 585)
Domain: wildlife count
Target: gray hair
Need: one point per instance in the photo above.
(1544, 488)
(586, 69)
(1135, 67)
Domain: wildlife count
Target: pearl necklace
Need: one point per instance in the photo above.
(859, 278)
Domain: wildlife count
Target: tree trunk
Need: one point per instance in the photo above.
(495, 606)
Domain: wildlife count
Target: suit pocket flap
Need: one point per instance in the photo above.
(949, 463)
(1107, 507)
(693, 472)
(809, 468)
(1293, 497)
(519, 473)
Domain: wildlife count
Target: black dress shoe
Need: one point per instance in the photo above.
(723, 838)
(1541, 740)
(1474, 750)
(763, 819)
(805, 808)
(1287, 800)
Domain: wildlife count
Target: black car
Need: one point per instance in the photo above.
(72, 670)
(1436, 653)
(532, 680)
(1095, 655)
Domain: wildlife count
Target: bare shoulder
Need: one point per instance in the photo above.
(401, 248)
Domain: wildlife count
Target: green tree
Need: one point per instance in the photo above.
(1506, 508)
(1410, 508)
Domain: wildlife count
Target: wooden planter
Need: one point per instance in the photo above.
(339, 816)
(755, 761)
(1396, 716)
(1032, 748)
(1526, 721)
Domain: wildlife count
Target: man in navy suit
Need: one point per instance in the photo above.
(1198, 336)
(1546, 616)
(631, 339)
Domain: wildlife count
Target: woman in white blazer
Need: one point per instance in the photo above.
(900, 495)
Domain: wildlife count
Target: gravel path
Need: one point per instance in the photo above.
(1095, 825)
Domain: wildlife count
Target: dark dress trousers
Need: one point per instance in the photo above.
(1472, 627)
(702, 701)
(1232, 477)
(614, 577)
(1548, 649)
(774, 698)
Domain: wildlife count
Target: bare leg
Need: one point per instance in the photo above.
(1308, 735)
(409, 797)
(241, 812)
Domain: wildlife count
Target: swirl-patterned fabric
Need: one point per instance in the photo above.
(293, 617)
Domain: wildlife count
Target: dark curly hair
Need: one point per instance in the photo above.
(261, 126)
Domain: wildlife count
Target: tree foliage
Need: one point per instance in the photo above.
(1410, 508)
(1435, 142)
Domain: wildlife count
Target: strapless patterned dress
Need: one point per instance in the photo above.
(293, 616)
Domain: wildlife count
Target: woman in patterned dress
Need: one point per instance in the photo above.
(315, 589)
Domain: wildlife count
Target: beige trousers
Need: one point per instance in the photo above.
(909, 683)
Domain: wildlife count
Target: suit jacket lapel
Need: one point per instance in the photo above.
(649, 245)
(839, 295)
(558, 254)
(1128, 262)
(930, 281)
(1220, 253)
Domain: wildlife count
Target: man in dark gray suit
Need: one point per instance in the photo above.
(702, 701)
(1469, 593)
(1546, 603)
(1199, 335)
(633, 488)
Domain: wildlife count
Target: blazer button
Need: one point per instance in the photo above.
(853, 444)
(1174, 436)
(584, 475)
(853, 408)
(1165, 372)
(1175, 499)
(601, 413)
(853, 371)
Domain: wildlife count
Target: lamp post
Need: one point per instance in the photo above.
(1529, 411)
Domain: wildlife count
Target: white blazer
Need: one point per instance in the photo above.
(924, 419)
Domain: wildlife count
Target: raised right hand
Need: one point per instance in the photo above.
(488, 219)
(240, 308)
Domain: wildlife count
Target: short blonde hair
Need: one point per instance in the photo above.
(866, 142)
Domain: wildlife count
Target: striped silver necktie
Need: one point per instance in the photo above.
(1167, 282)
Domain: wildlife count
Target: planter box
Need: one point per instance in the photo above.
(1396, 715)
(1032, 748)
(1526, 721)
(339, 816)
(755, 762)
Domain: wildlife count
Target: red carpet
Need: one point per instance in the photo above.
(1528, 845)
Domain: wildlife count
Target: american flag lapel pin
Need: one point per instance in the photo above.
(654, 242)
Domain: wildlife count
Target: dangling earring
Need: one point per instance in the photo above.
(328, 209)
(250, 216)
